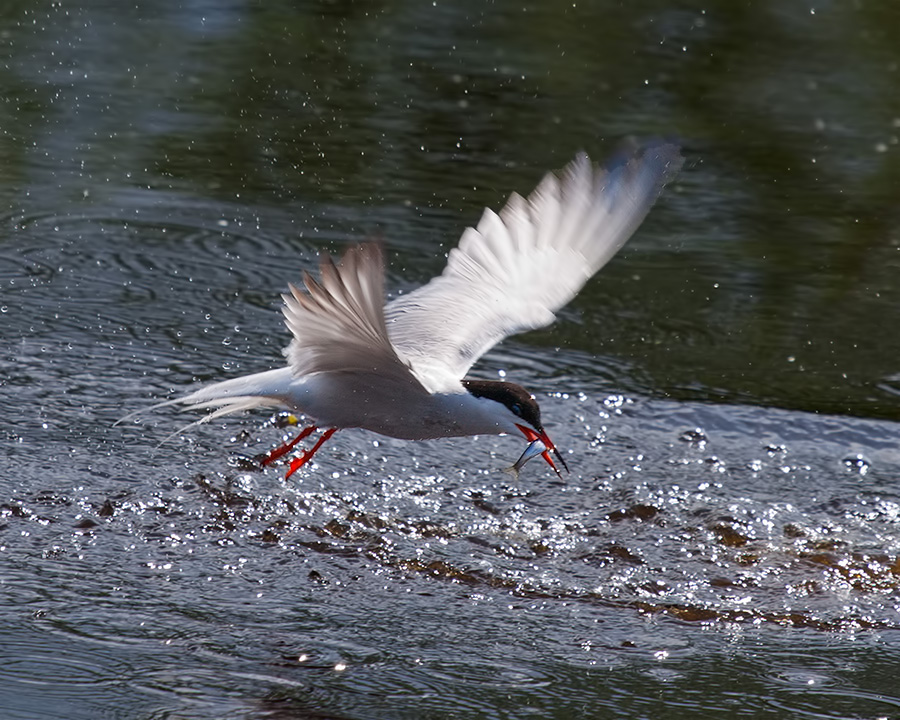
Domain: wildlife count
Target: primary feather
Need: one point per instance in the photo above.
(515, 270)
(338, 323)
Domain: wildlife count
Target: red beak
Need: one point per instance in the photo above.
(531, 436)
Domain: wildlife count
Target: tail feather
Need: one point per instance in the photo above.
(261, 390)
(225, 407)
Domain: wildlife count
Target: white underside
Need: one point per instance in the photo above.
(342, 401)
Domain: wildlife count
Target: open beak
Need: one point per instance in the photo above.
(533, 449)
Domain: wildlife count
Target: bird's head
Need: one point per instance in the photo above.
(523, 411)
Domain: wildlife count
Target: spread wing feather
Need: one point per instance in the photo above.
(515, 270)
(338, 322)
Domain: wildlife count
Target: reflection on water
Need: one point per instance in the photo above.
(728, 539)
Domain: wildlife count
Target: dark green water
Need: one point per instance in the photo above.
(728, 543)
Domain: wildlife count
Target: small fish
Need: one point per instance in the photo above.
(535, 448)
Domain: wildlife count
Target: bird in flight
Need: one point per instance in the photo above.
(399, 369)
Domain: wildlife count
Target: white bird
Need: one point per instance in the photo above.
(399, 369)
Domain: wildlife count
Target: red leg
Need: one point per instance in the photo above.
(299, 462)
(282, 450)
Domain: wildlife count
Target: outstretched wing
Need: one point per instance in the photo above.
(516, 269)
(338, 322)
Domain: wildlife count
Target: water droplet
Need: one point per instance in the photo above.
(696, 437)
(857, 463)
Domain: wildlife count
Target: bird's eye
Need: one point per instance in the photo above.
(516, 410)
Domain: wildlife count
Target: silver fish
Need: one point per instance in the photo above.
(535, 448)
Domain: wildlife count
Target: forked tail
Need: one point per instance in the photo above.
(261, 390)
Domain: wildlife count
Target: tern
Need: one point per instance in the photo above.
(399, 369)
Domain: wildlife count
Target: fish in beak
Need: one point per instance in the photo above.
(539, 444)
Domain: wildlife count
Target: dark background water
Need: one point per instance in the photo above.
(728, 389)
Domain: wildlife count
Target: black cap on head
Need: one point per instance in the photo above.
(517, 399)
